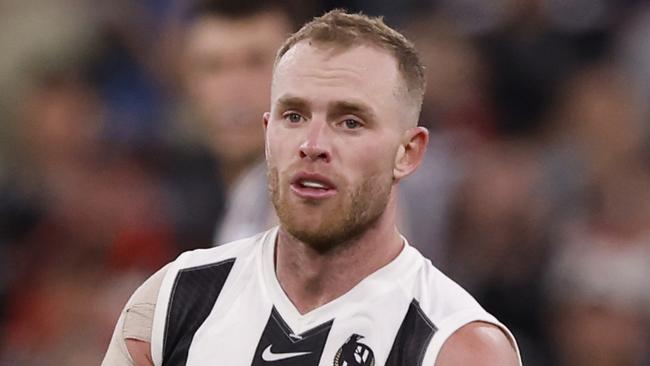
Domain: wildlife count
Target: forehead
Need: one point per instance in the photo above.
(362, 71)
(212, 33)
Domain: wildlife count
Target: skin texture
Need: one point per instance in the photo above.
(342, 114)
(478, 344)
(140, 352)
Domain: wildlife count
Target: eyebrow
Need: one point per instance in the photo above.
(347, 107)
(291, 102)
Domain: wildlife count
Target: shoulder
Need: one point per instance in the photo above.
(442, 299)
(131, 339)
(466, 334)
(135, 329)
(238, 249)
(478, 343)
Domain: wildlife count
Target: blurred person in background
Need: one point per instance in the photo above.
(459, 118)
(598, 276)
(54, 231)
(135, 70)
(227, 59)
(498, 238)
(515, 186)
(476, 203)
(76, 212)
(83, 215)
(530, 47)
(598, 295)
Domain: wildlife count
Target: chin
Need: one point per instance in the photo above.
(319, 240)
(326, 232)
(309, 228)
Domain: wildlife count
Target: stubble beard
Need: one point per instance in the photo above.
(358, 211)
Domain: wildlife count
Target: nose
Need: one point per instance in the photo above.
(315, 146)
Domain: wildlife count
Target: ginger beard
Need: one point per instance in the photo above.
(355, 210)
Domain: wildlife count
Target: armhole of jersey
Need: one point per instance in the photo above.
(450, 325)
(160, 312)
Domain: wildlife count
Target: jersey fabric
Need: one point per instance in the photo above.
(225, 306)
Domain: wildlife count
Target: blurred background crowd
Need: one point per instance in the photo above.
(131, 131)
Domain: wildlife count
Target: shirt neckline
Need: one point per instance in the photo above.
(382, 280)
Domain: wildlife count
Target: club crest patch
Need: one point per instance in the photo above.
(354, 353)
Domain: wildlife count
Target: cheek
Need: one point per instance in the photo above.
(374, 161)
(277, 145)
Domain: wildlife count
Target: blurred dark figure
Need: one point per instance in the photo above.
(228, 49)
(499, 239)
(531, 46)
(134, 68)
(530, 207)
(598, 279)
(459, 117)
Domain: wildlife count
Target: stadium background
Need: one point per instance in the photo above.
(540, 109)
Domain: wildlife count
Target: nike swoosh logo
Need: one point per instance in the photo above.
(269, 356)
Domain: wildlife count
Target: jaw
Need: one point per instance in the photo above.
(336, 224)
(358, 205)
(311, 221)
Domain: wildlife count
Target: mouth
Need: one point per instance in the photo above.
(312, 186)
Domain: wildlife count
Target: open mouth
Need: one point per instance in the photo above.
(306, 183)
(312, 186)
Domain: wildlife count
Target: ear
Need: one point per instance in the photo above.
(265, 117)
(410, 152)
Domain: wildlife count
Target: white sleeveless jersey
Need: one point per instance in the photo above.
(225, 306)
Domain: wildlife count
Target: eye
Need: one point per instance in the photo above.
(352, 124)
(293, 117)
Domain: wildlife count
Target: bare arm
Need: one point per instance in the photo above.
(477, 344)
(140, 352)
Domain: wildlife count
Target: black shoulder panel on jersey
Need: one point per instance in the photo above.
(412, 339)
(193, 295)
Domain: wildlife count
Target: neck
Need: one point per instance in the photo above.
(324, 277)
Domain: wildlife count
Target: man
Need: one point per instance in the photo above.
(228, 50)
(335, 283)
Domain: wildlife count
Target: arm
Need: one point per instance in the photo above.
(477, 344)
(131, 342)
(140, 352)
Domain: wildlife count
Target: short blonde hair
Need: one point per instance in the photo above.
(346, 30)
